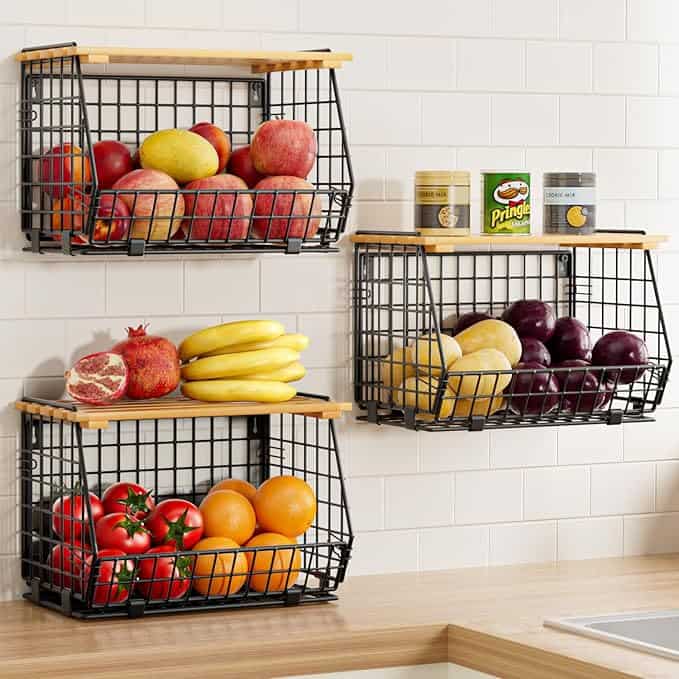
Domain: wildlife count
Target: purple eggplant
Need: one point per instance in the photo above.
(534, 351)
(620, 348)
(532, 393)
(531, 318)
(468, 319)
(582, 392)
(570, 340)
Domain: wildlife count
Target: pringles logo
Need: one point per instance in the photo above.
(513, 194)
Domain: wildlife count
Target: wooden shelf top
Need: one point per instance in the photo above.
(632, 241)
(259, 61)
(175, 407)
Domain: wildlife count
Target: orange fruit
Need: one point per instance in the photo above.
(229, 571)
(245, 488)
(285, 505)
(273, 570)
(227, 514)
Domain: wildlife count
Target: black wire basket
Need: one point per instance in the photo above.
(64, 111)
(178, 457)
(404, 293)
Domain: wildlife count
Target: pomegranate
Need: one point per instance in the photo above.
(97, 378)
(153, 364)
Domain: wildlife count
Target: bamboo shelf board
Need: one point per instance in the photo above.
(259, 61)
(99, 417)
(631, 241)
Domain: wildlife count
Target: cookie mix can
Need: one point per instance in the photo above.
(505, 203)
(442, 202)
(569, 202)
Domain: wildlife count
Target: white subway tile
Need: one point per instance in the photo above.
(572, 62)
(529, 119)
(35, 13)
(561, 492)
(667, 271)
(331, 382)
(653, 21)
(12, 281)
(176, 328)
(370, 167)
(627, 488)
(395, 454)
(220, 286)
(384, 552)
(80, 290)
(402, 163)
(668, 181)
(654, 216)
(586, 20)
(667, 492)
(651, 121)
(450, 119)
(32, 348)
(314, 283)
(127, 12)
(653, 441)
(10, 391)
(610, 214)
(556, 159)
(9, 526)
(590, 444)
(458, 451)
(453, 547)
(9, 172)
(9, 466)
(523, 447)
(488, 496)
(625, 68)
(669, 69)
(11, 584)
(153, 288)
(402, 126)
(9, 112)
(590, 538)
(522, 543)
(173, 14)
(12, 40)
(591, 120)
(432, 17)
(534, 19)
(491, 65)
(626, 173)
(651, 534)
(421, 64)
(366, 502)
(435, 507)
(393, 216)
(329, 339)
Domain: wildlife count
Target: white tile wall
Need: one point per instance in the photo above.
(475, 84)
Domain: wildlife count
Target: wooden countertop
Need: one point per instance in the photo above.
(489, 619)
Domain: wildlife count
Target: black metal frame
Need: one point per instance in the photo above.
(62, 105)
(179, 458)
(403, 293)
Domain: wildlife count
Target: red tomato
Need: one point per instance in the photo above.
(114, 578)
(119, 531)
(70, 516)
(164, 577)
(66, 562)
(128, 497)
(175, 522)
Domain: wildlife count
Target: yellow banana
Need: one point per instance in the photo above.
(235, 365)
(295, 341)
(227, 335)
(289, 373)
(238, 390)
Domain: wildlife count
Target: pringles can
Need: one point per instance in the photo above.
(442, 202)
(505, 203)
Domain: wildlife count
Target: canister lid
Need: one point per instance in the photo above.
(569, 178)
(438, 177)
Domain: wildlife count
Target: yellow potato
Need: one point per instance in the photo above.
(395, 369)
(477, 384)
(419, 392)
(491, 334)
(427, 356)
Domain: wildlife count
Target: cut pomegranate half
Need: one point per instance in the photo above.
(97, 378)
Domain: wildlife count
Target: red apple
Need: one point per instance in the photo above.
(65, 169)
(136, 162)
(284, 147)
(217, 137)
(111, 223)
(205, 212)
(285, 214)
(240, 164)
(156, 216)
(113, 219)
(112, 160)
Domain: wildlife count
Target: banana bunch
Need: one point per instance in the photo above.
(242, 361)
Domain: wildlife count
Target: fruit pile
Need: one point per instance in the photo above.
(242, 361)
(141, 540)
(560, 369)
(141, 197)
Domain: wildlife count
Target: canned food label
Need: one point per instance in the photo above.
(506, 203)
(578, 195)
(445, 207)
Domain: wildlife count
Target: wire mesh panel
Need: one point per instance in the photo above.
(178, 458)
(408, 301)
(64, 205)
